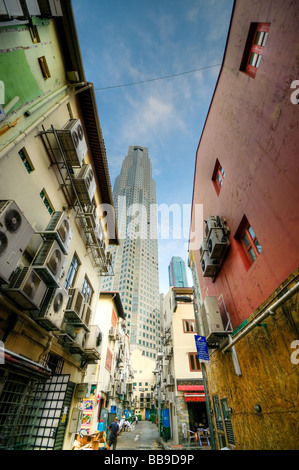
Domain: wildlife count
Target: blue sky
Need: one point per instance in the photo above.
(136, 40)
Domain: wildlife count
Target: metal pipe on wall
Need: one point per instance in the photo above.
(261, 317)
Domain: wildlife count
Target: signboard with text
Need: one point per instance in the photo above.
(202, 348)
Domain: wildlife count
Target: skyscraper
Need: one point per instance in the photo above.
(177, 272)
(135, 261)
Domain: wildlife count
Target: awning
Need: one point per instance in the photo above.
(191, 388)
(13, 360)
(199, 397)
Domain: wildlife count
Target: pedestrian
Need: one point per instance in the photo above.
(114, 430)
(136, 419)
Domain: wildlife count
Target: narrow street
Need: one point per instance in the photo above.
(144, 437)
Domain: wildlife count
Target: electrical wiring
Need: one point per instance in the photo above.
(158, 78)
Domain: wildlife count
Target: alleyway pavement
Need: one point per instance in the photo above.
(145, 436)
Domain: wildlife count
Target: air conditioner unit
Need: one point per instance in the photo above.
(49, 263)
(89, 216)
(79, 340)
(168, 351)
(209, 266)
(212, 322)
(212, 222)
(117, 334)
(59, 229)
(74, 308)
(72, 140)
(15, 236)
(93, 344)
(170, 380)
(26, 289)
(85, 184)
(82, 390)
(50, 8)
(86, 314)
(52, 311)
(32, 7)
(11, 9)
(203, 248)
(112, 333)
(217, 243)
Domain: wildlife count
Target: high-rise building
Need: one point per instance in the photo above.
(177, 272)
(135, 261)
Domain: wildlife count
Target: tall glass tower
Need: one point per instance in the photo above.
(177, 272)
(135, 261)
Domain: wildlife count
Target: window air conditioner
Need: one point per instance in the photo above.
(209, 266)
(59, 229)
(49, 263)
(85, 184)
(217, 243)
(26, 289)
(74, 308)
(86, 314)
(93, 345)
(212, 322)
(52, 311)
(72, 140)
(15, 235)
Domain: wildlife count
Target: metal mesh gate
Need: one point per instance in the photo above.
(20, 398)
(53, 407)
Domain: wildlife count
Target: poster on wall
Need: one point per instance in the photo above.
(87, 408)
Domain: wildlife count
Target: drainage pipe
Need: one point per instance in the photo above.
(261, 317)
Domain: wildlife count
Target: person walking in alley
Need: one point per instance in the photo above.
(114, 430)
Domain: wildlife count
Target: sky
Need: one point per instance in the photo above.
(125, 42)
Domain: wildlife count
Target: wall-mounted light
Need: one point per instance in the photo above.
(258, 408)
(230, 410)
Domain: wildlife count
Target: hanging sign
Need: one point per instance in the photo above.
(202, 348)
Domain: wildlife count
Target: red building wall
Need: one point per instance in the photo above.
(252, 128)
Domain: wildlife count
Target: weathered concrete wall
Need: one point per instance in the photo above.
(270, 378)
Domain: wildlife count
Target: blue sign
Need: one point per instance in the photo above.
(202, 348)
(166, 418)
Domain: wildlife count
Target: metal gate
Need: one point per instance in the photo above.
(53, 414)
(20, 398)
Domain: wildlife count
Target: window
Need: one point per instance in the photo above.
(87, 291)
(43, 194)
(189, 326)
(73, 269)
(26, 160)
(251, 247)
(256, 41)
(44, 67)
(218, 176)
(194, 363)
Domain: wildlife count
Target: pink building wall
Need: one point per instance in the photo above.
(252, 128)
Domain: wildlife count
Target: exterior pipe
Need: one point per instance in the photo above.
(24, 134)
(269, 311)
(45, 100)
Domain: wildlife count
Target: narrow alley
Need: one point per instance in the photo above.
(145, 436)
